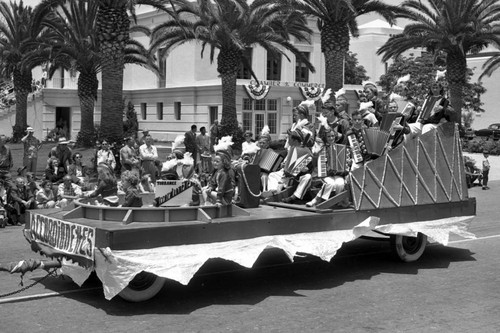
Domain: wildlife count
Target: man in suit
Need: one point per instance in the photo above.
(190, 142)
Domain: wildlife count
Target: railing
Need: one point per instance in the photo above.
(63, 83)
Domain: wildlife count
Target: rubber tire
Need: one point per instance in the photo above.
(143, 287)
(408, 249)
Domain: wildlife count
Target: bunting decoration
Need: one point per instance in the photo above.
(311, 93)
(257, 92)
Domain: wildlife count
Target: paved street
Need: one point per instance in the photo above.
(363, 289)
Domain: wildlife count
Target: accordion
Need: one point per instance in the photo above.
(388, 120)
(296, 160)
(375, 140)
(430, 105)
(333, 157)
(269, 160)
(357, 155)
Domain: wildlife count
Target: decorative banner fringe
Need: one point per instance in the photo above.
(311, 93)
(257, 92)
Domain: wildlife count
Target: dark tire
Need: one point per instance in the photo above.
(408, 249)
(143, 287)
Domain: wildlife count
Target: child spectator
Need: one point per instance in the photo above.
(130, 181)
(486, 169)
(68, 191)
(45, 196)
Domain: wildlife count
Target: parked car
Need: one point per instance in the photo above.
(493, 131)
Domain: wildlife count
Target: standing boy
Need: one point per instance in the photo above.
(486, 169)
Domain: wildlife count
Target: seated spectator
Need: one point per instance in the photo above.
(54, 171)
(19, 199)
(68, 191)
(77, 170)
(31, 183)
(106, 182)
(45, 196)
(130, 181)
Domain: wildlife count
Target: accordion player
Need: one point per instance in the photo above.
(332, 159)
(296, 160)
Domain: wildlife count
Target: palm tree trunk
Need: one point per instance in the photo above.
(456, 71)
(334, 45)
(87, 93)
(334, 70)
(113, 25)
(22, 87)
(227, 65)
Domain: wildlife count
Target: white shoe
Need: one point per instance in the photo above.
(311, 203)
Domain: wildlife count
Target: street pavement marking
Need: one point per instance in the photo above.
(38, 296)
(473, 239)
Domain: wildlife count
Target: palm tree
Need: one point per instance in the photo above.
(76, 49)
(336, 22)
(453, 27)
(20, 29)
(231, 26)
(113, 29)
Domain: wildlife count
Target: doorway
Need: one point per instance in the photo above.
(63, 122)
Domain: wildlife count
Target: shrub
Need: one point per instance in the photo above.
(478, 145)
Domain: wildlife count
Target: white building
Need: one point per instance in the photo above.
(191, 91)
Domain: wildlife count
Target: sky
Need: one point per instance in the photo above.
(361, 20)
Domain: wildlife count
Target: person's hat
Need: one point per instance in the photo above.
(63, 141)
(30, 129)
(224, 154)
(369, 84)
(297, 134)
(145, 130)
(486, 152)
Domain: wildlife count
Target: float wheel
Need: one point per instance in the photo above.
(143, 286)
(408, 249)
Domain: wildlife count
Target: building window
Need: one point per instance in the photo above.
(244, 71)
(272, 122)
(264, 112)
(301, 70)
(144, 109)
(159, 111)
(177, 110)
(259, 122)
(272, 104)
(247, 121)
(260, 105)
(247, 104)
(273, 66)
(213, 111)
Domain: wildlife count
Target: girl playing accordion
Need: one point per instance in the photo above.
(332, 164)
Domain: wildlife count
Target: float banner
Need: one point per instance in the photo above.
(173, 192)
(61, 239)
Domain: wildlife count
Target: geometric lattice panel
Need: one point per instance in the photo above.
(427, 169)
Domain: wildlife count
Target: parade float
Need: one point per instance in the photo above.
(414, 193)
